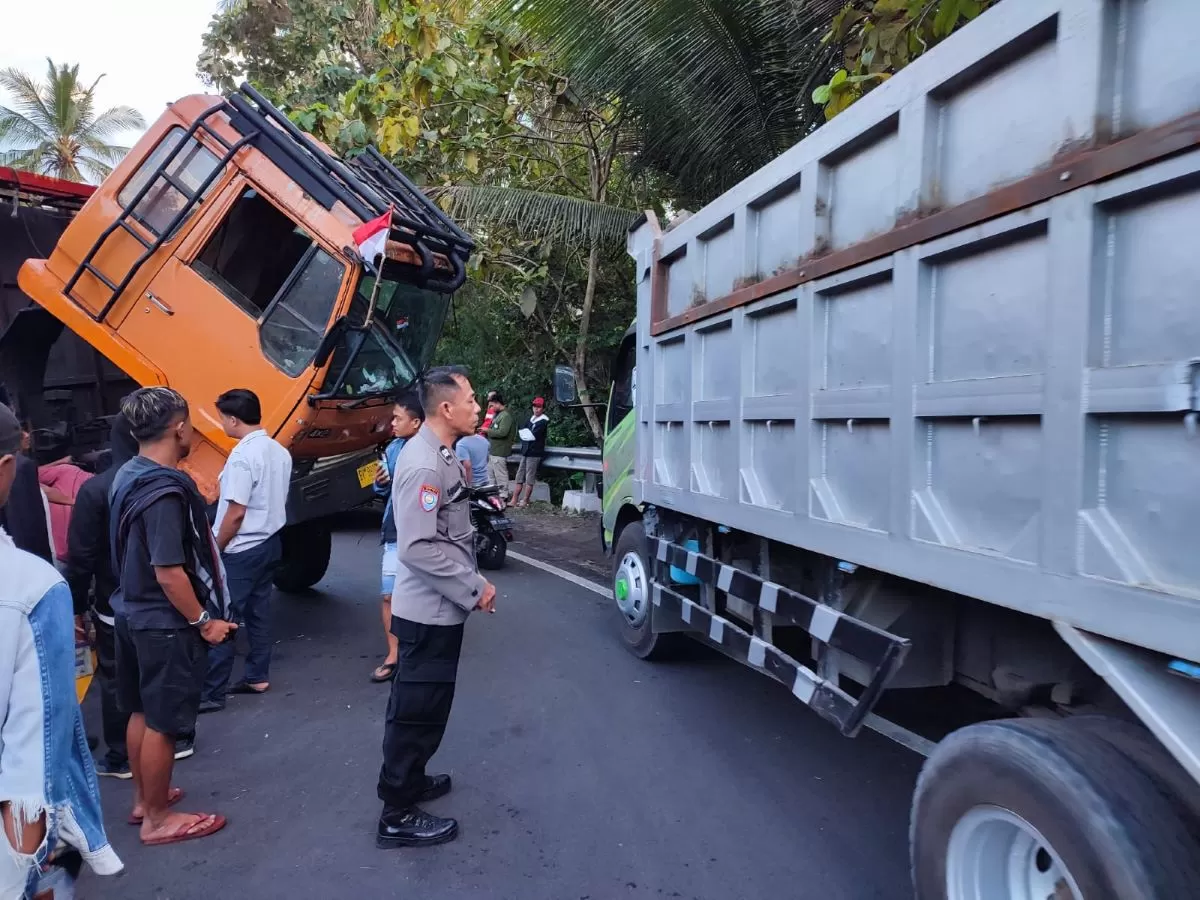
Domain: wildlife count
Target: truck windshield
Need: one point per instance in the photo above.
(397, 346)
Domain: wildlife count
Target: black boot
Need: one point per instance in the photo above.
(413, 827)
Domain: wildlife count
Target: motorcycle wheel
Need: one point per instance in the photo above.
(491, 551)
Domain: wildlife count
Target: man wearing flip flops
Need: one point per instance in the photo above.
(171, 606)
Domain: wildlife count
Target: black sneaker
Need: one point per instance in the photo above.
(413, 827)
(211, 706)
(185, 747)
(105, 769)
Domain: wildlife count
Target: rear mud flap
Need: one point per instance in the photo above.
(881, 651)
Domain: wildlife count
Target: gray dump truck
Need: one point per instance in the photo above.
(914, 406)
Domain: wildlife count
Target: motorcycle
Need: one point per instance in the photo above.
(493, 529)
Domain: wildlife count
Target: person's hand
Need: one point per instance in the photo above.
(487, 603)
(217, 631)
(81, 634)
(382, 478)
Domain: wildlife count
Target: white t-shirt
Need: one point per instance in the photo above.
(256, 475)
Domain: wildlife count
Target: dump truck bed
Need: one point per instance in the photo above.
(953, 335)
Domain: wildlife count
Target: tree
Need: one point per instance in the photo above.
(713, 90)
(878, 38)
(53, 127)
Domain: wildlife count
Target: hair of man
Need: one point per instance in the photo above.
(411, 403)
(242, 404)
(440, 385)
(152, 411)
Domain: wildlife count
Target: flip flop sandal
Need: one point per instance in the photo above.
(173, 797)
(208, 823)
(389, 668)
(243, 687)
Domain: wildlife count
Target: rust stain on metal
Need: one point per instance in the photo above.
(1066, 174)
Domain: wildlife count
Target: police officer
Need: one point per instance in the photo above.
(437, 586)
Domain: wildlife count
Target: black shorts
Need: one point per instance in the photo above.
(160, 673)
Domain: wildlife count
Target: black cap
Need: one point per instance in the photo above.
(10, 432)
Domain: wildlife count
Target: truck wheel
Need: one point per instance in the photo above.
(491, 552)
(1141, 748)
(631, 590)
(1037, 810)
(306, 550)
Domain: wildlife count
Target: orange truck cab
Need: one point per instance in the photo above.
(218, 255)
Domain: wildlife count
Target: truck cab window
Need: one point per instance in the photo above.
(624, 375)
(270, 268)
(160, 204)
(293, 327)
(252, 253)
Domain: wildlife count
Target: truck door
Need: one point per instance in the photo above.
(244, 303)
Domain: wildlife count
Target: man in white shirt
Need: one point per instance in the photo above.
(251, 512)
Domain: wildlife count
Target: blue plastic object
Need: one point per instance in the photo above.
(678, 575)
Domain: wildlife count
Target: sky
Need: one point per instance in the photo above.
(146, 49)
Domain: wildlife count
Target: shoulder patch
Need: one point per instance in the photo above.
(429, 497)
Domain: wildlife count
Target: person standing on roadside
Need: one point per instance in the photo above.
(26, 516)
(89, 574)
(533, 448)
(472, 452)
(489, 412)
(437, 587)
(500, 434)
(250, 514)
(172, 604)
(407, 418)
(49, 804)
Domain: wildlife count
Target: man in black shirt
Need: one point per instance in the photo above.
(89, 573)
(533, 437)
(170, 576)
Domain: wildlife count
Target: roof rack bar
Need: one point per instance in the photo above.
(334, 166)
(305, 161)
(418, 194)
(343, 172)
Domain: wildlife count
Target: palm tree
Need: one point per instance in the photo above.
(714, 89)
(53, 128)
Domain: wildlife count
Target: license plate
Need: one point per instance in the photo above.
(501, 524)
(367, 472)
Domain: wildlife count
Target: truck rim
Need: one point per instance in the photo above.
(994, 854)
(631, 589)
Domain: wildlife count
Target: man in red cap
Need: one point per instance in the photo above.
(533, 448)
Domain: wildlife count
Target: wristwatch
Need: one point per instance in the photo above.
(204, 619)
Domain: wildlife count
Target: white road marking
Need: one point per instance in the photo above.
(890, 730)
(578, 580)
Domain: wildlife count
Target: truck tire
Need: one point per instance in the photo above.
(306, 550)
(1141, 748)
(1025, 809)
(631, 591)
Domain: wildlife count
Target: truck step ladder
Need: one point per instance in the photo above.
(117, 283)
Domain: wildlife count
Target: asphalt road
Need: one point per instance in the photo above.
(580, 772)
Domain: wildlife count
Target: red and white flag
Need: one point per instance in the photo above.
(371, 238)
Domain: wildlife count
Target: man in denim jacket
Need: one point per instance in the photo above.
(49, 797)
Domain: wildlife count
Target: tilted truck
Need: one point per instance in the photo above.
(219, 254)
(914, 406)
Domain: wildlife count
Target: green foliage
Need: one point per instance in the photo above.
(53, 127)
(880, 37)
(714, 90)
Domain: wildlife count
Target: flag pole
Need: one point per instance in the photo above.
(378, 277)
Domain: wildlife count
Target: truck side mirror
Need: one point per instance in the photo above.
(564, 385)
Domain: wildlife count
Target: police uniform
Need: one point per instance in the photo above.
(437, 586)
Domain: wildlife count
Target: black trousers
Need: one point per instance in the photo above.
(418, 708)
(113, 721)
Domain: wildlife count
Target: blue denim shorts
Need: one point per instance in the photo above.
(388, 579)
